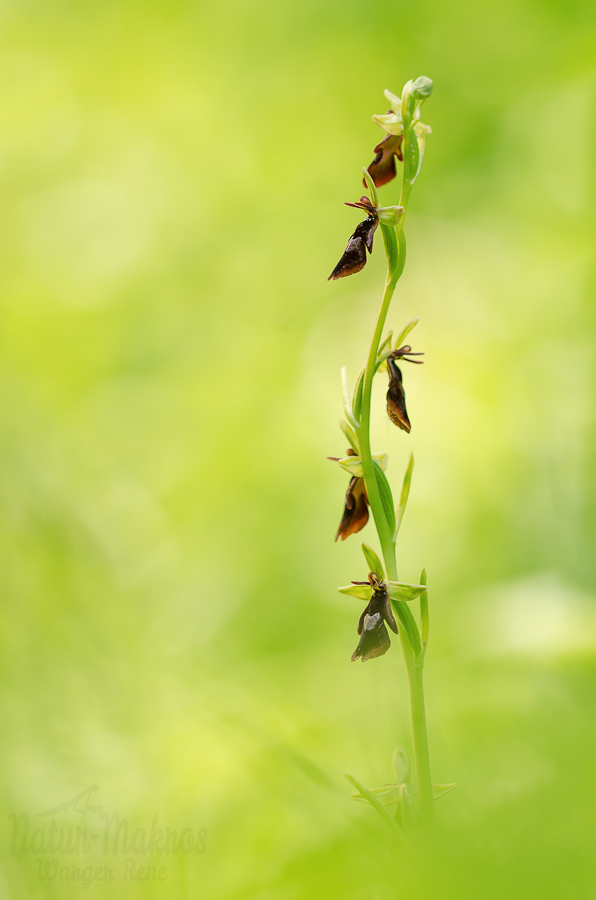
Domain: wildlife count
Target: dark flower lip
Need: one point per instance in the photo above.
(374, 641)
(396, 398)
(354, 256)
(355, 515)
(382, 169)
(374, 637)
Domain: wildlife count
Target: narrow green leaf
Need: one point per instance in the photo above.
(361, 591)
(405, 493)
(372, 560)
(424, 618)
(350, 434)
(403, 334)
(403, 612)
(390, 244)
(401, 590)
(358, 391)
(386, 495)
(346, 398)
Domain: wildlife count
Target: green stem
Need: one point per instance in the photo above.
(395, 248)
(418, 712)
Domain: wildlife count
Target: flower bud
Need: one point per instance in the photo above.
(422, 88)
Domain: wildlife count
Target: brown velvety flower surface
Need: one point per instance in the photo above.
(374, 637)
(383, 169)
(354, 256)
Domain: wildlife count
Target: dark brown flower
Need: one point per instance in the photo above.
(383, 169)
(355, 514)
(396, 398)
(354, 256)
(374, 638)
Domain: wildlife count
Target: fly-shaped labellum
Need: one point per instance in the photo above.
(383, 169)
(396, 398)
(354, 257)
(374, 637)
(355, 514)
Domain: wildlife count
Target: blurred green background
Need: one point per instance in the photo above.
(173, 177)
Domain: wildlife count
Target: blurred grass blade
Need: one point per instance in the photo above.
(390, 821)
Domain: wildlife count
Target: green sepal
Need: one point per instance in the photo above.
(389, 820)
(394, 793)
(358, 390)
(352, 465)
(387, 341)
(346, 398)
(373, 562)
(387, 794)
(403, 500)
(350, 434)
(390, 215)
(394, 102)
(404, 614)
(401, 590)
(374, 197)
(383, 357)
(386, 495)
(439, 790)
(403, 334)
(390, 122)
(361, 591)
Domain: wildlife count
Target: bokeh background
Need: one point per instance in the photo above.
(173, 177)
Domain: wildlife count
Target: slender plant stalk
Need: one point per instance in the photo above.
(395, 248)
